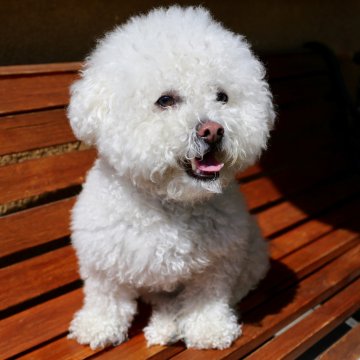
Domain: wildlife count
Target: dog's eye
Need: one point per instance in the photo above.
(166, 101)
(222, 97)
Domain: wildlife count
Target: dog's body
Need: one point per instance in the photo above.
(173, 117)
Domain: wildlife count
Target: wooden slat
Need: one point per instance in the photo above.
(261, 323)
(300, 207)
(26, 93)
(136, 349)
(293, 342)
(15, 70)
(347, 348)
(297, 265)
(34, 130)
(62, 349)
(343, 216)
(249, 172)
(35, 177)
(38, 324)
(33, 277)
(327, 247)
(36, 226)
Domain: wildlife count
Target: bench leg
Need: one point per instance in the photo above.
(106, 315)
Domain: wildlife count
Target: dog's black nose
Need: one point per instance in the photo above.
(210, 131)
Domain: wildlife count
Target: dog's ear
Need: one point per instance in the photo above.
(87, 108)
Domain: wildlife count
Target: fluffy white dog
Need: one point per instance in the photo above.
(175, 105)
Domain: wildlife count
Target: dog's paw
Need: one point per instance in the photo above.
(210, 330)
(96, 330)
(161, 330)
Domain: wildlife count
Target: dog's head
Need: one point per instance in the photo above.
(174, 102)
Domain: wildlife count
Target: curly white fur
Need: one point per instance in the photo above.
(142, 226)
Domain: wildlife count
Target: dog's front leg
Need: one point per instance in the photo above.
(106, 315)
(206, 319)
(162, 327)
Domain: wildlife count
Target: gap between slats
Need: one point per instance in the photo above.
(348, 347)
(35, 130)
(301, 336)
(27, 179)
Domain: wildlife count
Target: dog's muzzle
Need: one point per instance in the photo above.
(207, 167)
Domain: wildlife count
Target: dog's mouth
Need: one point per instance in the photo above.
(205, 168)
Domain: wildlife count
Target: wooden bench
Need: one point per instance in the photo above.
(305, 193)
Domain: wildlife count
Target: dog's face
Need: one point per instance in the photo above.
(174, 102)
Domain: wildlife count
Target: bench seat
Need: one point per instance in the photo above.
(305, 194)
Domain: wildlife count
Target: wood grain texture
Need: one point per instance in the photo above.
(348, 347)
(31, 131)
(304, 205)
(36, 226)
(26, 93)
(38, 324)
(33, 277)
(16, 70)
(36, 177)
(62, 349)
(292, 343)
(296, 265)
(344, 216)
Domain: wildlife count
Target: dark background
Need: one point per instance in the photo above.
(47, 31)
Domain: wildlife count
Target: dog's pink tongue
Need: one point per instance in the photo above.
(208, 163)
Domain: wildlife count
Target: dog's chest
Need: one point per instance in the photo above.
(143, 242)
(161, 249)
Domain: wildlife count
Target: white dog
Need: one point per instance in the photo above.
(175, 105)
